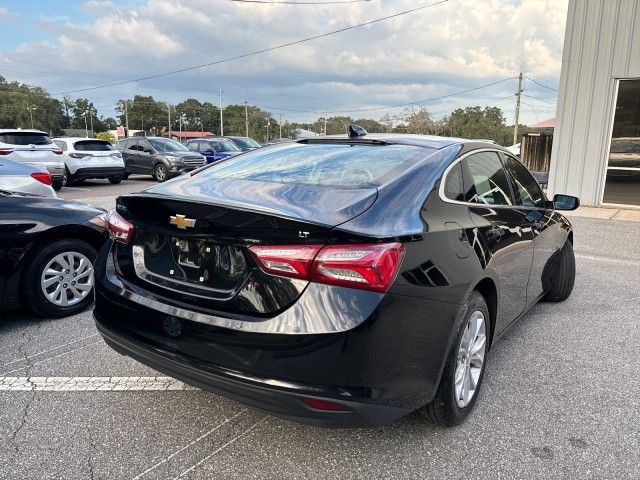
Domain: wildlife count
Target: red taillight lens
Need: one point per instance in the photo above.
(120, 229)
(58, 151)
(369, 267)
(286, 260)
(42, 177)
(6, 151)
(325, 405)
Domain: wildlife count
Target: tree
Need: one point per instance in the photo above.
(479, 123)
(145, 113)
(106, 136)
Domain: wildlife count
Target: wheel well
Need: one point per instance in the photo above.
(80, 232)
(570, 237)
(488, 290)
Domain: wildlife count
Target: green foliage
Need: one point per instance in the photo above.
(107, 136)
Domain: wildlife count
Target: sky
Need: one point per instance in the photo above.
(440, 51)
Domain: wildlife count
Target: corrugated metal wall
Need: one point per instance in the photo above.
(602, 44)
(535, 151)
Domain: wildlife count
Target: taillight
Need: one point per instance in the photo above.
(325, 405)
(58, 151)
(42, 177)
(286, 260)
(365, 266)
(6, 151)
(370, 267)
(79, 155)
(120, 229)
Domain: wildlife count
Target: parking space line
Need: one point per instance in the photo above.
(191, 443)
(49, 350)
(91, 384)
(598, 258)
(51, 358)
(233, 440)
(78, 188)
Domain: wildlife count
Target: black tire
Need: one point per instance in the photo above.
(125, 175)
(160, 172)
(57, 183)
(560, 274)
(115, 180)
(67, 179)
(444, 409)
(33, 296)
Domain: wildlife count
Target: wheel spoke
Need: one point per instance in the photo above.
(50, 281)
(478, 345)
(86, 273)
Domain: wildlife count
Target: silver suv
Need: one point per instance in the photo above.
(33, 147)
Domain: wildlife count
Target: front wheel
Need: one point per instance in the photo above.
(160, 172)
(464, 369)
(115, 180)
(58, 281)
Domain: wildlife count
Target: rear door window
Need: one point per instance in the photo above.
(528, 191)
(335, 165)
(485, 180)
(25, 138)
(453, 186)
(92, 146)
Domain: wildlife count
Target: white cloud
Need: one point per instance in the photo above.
(433, 52)
(5, 14)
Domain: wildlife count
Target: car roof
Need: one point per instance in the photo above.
(21, 130)
(79, 139)
(428, 141)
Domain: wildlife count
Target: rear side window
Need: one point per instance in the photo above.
(92, 146)
(61, 144)
(193, 146)
(528, 192)
(25, 138)
(485, 180)
(453, 186)
(333, 165)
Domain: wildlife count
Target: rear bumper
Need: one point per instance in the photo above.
(255, 392)
(98, 172)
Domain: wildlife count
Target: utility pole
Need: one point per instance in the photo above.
(268, 123)
(246, 118)
(169, 119)
(517, 119)
(221, 121)
(31, 109)
(86, 129)
(91, 120)
(126, 118)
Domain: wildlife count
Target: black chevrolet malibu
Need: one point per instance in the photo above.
(335, 281)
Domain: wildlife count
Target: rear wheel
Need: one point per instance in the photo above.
(58, 281)
(57, 183)
(67, 178)
(125, 175)
(115, 180)
(560, 274)
(160, 172)
(464, 369)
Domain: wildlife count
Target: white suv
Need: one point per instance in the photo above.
(33, 147)
(90, 158)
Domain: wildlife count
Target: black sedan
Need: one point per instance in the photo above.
(47, 250)
(335, 281)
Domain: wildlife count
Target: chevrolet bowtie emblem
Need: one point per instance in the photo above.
(181, 221)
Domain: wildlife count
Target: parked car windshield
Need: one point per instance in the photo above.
(25, 138)
(92, 146)
(246, 142)
(334, 165)
(167, 145)
(223, 145)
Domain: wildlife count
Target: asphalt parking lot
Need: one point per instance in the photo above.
(561, 397)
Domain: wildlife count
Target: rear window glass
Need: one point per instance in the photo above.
(345, 166)
(25, 138)
(92, 146)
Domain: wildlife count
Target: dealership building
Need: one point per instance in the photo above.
(596, 146)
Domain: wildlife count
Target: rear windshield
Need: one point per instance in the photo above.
(223, 145)
(343, 166)
(92, 146)
(245, 142)
(25, 138)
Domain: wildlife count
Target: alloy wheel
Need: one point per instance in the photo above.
(161, 173)
(67, 279)
(470, 361)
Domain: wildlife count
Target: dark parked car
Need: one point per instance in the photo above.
(244, 143)
(159, 157)
(213, 149)
(47, 250)
(335, 281)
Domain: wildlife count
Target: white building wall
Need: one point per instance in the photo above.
(602, 44)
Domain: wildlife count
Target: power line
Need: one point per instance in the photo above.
(256, 52)
(335, 2)
(541, 84)
(552, 102)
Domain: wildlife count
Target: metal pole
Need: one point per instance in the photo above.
(517, 119)
(91, 119)
(31, 115)
(221, 120)
(126, 118)
(280, 125)
(169, 115)
(246, 118)
(268, 122)
(86, 129)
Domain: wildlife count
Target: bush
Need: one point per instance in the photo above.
(106, 136)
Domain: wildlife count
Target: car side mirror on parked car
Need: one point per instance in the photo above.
(565, 202)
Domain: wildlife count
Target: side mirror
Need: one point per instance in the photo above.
(147, 150)
(565, 202)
